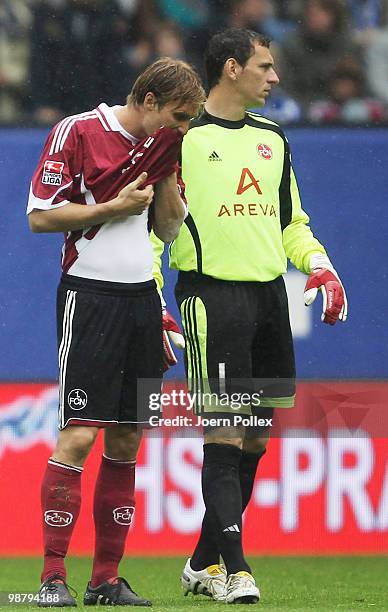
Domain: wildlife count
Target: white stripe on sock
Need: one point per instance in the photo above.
(66, 466)
(118, 460)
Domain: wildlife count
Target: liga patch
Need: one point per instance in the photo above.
(52, 172)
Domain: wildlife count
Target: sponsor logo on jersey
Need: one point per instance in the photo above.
(264, 151)
(123, 515)
(247, 180)
(52, 172)
(138, 154)
(77, 399)
(214, 157)
(136, 157)
(247, 210)
(58, 518)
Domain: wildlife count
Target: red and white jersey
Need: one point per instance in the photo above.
(87, 159)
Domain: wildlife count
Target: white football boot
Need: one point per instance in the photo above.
(210, 581)
(241, 589)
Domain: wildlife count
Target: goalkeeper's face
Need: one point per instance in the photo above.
(173, 115)
(256, 78)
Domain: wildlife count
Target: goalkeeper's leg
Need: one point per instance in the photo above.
(218, 346)
(207, 551)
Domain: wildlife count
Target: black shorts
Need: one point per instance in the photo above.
(238, 341)
(109, 337)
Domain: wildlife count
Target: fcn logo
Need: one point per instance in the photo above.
(58, 518)
(77, 399)
(264, 151)
(123, 515)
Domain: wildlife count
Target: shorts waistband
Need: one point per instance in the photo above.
(90, 285)
(196, 277)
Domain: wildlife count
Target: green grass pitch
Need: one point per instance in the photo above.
(286, 583)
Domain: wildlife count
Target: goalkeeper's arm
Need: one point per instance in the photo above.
(324, 277)
(171, 331)
(309, 256)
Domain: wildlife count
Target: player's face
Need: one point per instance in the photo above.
(257, 78)
(173, 115)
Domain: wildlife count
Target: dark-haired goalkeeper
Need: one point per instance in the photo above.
(245, 219)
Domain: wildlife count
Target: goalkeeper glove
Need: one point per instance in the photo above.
(171, 332)
(324, 277)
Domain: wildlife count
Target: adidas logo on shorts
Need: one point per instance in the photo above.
(234, 527)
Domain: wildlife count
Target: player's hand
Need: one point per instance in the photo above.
(132, 200)
(171, 331)
(335, 305)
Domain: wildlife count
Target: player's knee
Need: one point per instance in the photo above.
(255, 445)
(225, 435)
(122, 442)
(74, 444)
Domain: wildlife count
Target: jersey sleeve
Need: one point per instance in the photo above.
(52, 181)
(299, 241)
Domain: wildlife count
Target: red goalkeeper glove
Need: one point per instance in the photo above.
(324, 277)
(171, 332)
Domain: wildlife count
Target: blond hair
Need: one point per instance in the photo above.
(170, 80)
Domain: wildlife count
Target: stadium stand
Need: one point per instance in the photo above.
(58, 55)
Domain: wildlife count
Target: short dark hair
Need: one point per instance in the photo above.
(234, 42)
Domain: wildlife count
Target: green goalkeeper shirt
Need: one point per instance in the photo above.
(245, 216)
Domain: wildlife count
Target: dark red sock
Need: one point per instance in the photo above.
(61, 501)
(114, 505)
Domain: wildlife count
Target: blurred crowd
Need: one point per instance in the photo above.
(60, 57)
